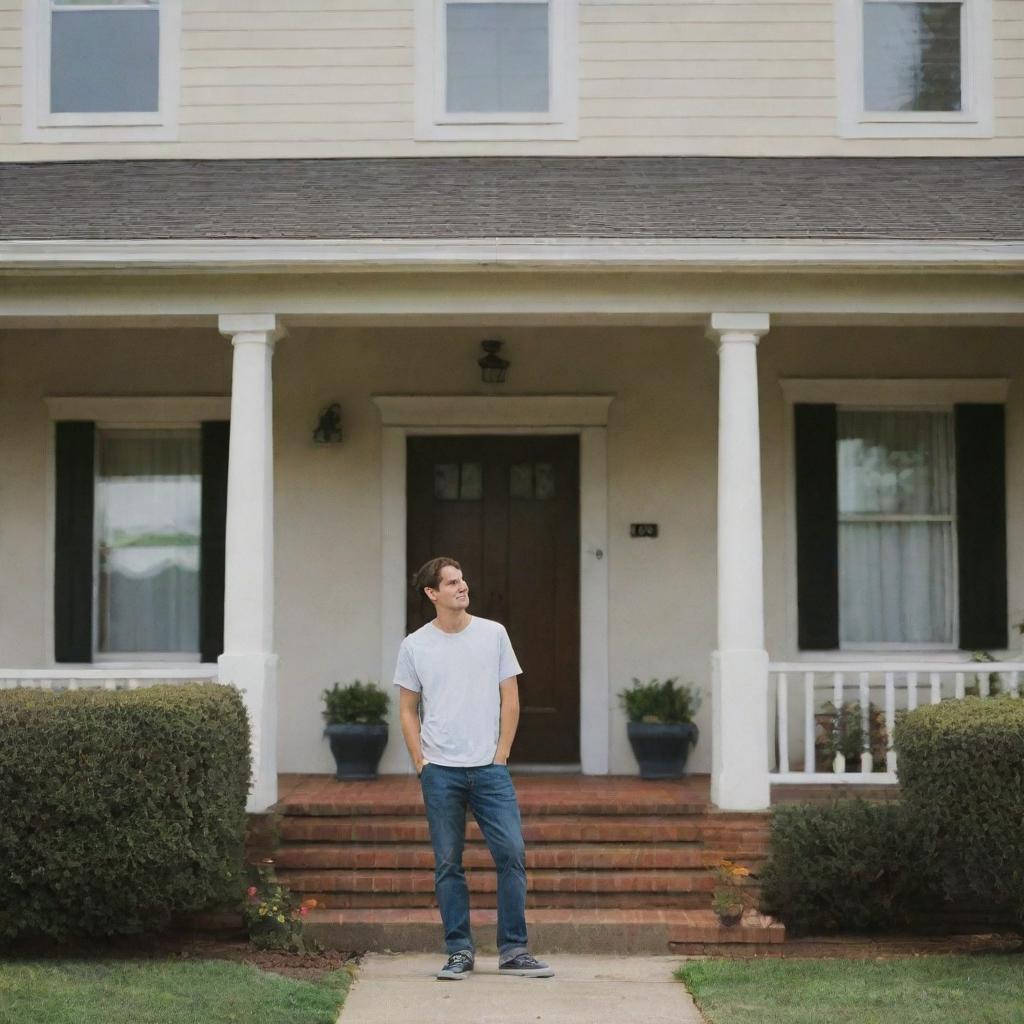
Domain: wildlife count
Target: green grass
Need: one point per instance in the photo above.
(921, 990)
(162, 992)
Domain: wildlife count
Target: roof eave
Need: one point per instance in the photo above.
(701, 254)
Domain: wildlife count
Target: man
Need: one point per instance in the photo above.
(464, 671)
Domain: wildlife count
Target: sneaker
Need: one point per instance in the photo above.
(458, 966)
(526, 966)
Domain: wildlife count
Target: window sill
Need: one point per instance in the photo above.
(496, 131)
(99, 133)
(899, 128)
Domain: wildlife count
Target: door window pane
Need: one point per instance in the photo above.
(912, 56)
(497, 57)
(148, 508)
(458, 480)
(544, 480)
(104, 61)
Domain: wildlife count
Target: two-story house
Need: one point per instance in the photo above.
(757, 418)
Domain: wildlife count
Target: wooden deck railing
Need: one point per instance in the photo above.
(103, 678)
(861, 701)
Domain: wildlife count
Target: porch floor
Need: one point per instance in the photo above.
(546, 794)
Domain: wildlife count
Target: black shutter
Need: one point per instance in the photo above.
(73, 553)
(817, 528)
(211, 561)
(981, 525)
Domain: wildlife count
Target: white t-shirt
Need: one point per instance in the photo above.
(457, 675)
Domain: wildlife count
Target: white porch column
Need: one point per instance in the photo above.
(249, 661)
(739, 727)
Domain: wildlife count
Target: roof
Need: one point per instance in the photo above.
(930, 198)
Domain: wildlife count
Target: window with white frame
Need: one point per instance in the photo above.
(147, 542)
(895, 474)
(491, 69)
(101, 70)
(915, 67)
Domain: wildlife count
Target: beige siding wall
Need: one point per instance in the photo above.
(264, 78)
(661, 461)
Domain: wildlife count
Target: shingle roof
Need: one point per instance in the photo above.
(517, 197)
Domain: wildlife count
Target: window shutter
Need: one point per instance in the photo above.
(214, 514)
(73, 553)
(817, 527)
(981, 525)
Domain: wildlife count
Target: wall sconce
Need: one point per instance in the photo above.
(328, 428)
(492, 367)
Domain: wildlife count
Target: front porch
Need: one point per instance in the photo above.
(683, 411)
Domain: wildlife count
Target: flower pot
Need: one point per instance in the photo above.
(661, 750)
(357, 749)
(730, 920)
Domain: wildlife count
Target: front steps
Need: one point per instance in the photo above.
(614, 865)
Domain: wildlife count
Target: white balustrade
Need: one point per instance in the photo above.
(836, 696)
(103, 678)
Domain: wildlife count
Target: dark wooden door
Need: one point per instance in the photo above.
(507, 509)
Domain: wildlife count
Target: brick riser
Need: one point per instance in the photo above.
(622, 871)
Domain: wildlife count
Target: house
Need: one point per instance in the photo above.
(757, 271)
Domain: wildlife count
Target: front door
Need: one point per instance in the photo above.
(507, 509)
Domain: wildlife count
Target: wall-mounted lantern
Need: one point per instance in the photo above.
(328, 428)
(492, 367)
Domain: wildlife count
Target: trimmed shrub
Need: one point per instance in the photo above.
(121, 808)
(961, 766)
(847, 866)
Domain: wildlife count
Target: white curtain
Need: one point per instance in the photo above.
(896, 578)
(148, 509)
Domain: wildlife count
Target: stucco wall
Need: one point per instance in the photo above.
(661, 461)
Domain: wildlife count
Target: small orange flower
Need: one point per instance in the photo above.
(309, 904)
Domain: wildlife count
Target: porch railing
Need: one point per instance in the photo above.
(816, 704)
(102, 678)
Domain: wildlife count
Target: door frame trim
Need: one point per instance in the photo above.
(586, 416)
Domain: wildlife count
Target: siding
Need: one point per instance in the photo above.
(336, 78)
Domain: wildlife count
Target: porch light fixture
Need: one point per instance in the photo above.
(492, 367)
(328, 428)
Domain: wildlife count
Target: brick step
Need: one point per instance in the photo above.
(582, 856)
(597, 930)
(591, 796)
(548, 829)
(488, 900)
(486, 881)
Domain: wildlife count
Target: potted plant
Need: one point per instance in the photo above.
(661, 728)
(731, 897)
(356, 727)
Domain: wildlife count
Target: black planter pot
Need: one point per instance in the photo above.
(357, 749)
(661, 750)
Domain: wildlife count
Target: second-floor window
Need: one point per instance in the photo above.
(104, 57)
(915, 67)
(497, 57)
(101, 69)
(496, 69)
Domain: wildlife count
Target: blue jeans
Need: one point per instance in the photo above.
(488, 792)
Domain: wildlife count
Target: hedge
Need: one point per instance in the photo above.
(119, 809)
(846, 866)
(961, 767)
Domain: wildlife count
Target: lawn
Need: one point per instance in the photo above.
(919, 990)
(162, 992)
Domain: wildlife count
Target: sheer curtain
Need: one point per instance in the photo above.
(896, 542)
(148, 524)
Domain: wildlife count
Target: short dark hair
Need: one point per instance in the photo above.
(429, 574)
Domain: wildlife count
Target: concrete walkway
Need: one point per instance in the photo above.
(401, 989)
